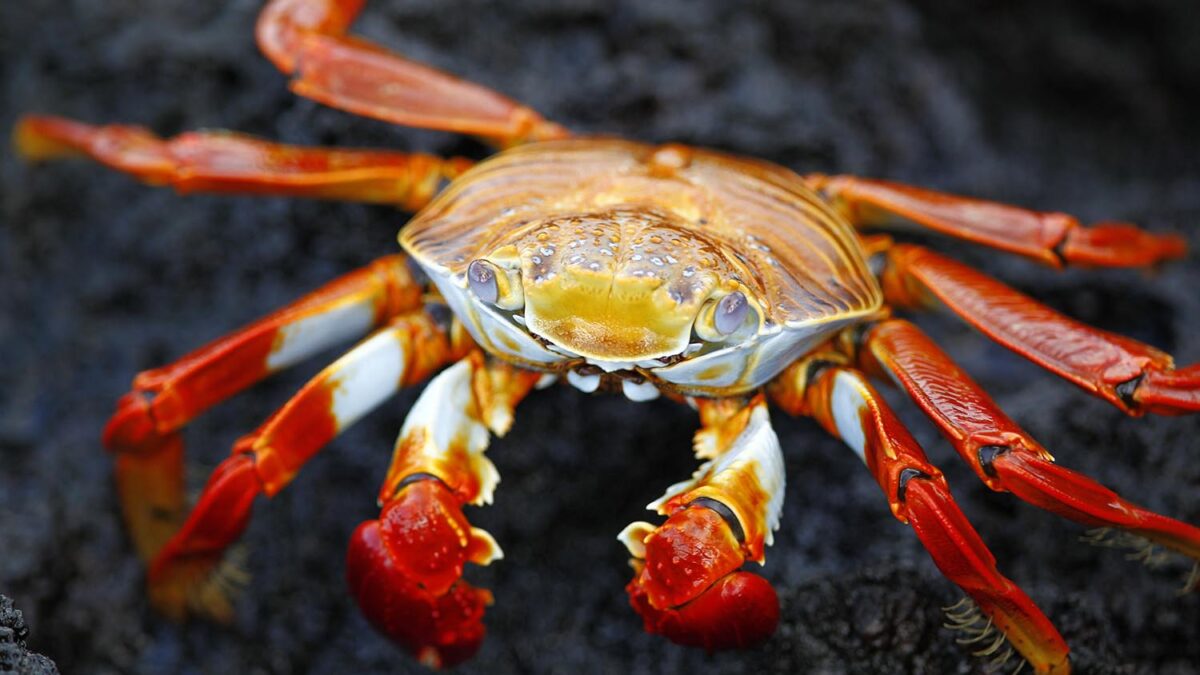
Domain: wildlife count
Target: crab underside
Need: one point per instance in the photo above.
(721, 282)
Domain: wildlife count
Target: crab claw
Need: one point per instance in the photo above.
(690, 589)
(404, 570)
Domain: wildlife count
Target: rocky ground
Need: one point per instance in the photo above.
(15, 657)
(1082, 107)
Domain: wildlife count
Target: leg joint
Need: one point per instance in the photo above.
(816, 368)
(726, 514)
(905, 476)
(1128, 388)
(988, 455)
(416, 478)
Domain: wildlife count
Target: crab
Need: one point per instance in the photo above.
(718, 281)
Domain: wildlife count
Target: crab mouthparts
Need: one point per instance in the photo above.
(589, 377)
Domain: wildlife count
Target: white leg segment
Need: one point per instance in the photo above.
(309, 334)
(848, 401)
(445, 422)
(367, 376)
(450, 427)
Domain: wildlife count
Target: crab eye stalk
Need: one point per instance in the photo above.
(482, 276)
(730, 313)
(495, 285)
(723, 318)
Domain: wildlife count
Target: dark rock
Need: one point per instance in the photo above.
(1087, 108)
(14, 657)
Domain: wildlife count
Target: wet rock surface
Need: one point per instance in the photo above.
(1064, 106)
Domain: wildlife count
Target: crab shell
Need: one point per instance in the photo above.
(613, 254)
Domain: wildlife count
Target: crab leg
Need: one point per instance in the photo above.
(1055, 239)
(405, 568)
(846, 405)
(1135, 377)
(409, 349)
(687, 583)
(144, 430)
(220, 161)
(1002, 454)
(307, 39)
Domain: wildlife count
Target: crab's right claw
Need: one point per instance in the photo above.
(689, 587)
(404, 570)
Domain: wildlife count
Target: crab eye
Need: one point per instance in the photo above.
(496, 285)
(730, 313)
(720, 319)
(482, 276)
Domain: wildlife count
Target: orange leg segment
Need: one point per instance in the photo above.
(688, 584)
(1002, 454)
(1054, 239)
(1133, 376)
(405, 568)
(216, 161)
(843, 402)
(307, 39)
(144, 430)
(410, 348)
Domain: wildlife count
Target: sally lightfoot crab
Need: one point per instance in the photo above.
(718, 281)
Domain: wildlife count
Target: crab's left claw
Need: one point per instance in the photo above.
(689, 587)
(404, 570)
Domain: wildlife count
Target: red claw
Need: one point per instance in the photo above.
(690, 589)
(425, 531)
(739, 611)
(404, 568)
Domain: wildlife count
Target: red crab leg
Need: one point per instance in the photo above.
(1055, 239)
(221, 161)
(843, 402)
(144, 430)
(408, 350)
(306, 39)
(687, 582)
(1135, 377)
(405, 568)
(1002, 454)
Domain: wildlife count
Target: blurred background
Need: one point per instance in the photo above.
(1087, 108)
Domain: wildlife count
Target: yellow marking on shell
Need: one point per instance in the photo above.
(608, 319)
(713, 372)
(619, 285)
